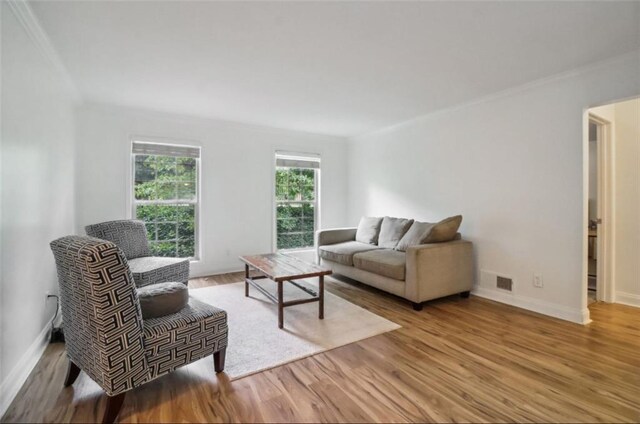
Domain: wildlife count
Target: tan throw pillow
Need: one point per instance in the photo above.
(157, 300)
(368, 230)
(417, 233)
(444, 230)
(392, 230)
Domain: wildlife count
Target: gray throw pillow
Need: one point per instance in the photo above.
(157, 300)
(444, 230)
(417, 234)
(392, 230)
(368, 230)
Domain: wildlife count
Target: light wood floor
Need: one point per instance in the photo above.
(456, 360)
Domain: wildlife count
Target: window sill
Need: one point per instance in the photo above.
(300, 250)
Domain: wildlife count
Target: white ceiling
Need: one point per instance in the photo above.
(340, 68)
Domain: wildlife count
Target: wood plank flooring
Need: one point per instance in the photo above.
(456, 360)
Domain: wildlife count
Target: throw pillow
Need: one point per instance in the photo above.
(157, 300)
(444, 230)
(417, 234)
(392, 230)
(368, 230)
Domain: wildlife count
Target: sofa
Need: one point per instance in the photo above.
(417, 261)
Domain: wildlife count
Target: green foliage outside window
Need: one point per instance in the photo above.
(295, 207)
(165, 192)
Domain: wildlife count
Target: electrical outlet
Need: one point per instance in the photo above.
(537, 281)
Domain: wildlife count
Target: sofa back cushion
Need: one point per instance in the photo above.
(444, 230)
(427, 232)
(392, 230)
(417, 234)
(368, 230)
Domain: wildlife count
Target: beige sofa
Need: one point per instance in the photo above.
(422, 272)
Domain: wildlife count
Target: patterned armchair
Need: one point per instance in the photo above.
(131, 236)
(105, 334)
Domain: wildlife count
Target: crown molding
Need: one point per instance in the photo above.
(31, 25)
(634, 54)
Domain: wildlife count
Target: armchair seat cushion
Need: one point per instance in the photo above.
(155, 269)
(387, 262)
(343, 252)
(171, 341)
(161, 299)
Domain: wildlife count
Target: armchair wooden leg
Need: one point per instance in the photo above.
(114, 403)
(72, 374)
(465, 294)
(417, 306)
(218, 360)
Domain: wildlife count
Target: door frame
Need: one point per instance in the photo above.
(604, 241)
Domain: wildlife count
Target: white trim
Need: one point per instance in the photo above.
(605, 242)
(536, 305)
(20, 372)
(500, 94)
(629, 299)
(24, 14)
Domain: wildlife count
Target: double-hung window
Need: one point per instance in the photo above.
(297, 188)
(165, 196)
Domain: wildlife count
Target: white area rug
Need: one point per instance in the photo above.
(256, 343)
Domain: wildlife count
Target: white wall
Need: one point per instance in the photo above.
(627, 202)
(37, 177)
(237, 176)
(513, 165)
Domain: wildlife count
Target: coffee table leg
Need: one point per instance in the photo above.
(246, 285)
(321, 296)
(280, 306)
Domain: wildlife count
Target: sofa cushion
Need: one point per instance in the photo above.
(157, 300)
(343, 252)
(416, 235)
(368, 230)
(444, 230)
(387, 262)
(155, 269)
(392, 230)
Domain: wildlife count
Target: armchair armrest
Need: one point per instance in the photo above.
(439, 269)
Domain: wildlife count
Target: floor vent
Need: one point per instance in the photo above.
(504, 283)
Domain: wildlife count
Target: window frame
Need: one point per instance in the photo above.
(316, 202)
(133, 203)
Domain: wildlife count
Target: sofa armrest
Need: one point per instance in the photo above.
(333, 236)
(438, 269)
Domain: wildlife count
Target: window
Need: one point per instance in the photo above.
(297, 207)
(165, 196)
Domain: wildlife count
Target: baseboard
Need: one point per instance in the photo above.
(218, 271)
(18, 375)
(629, 299)
(536, 305)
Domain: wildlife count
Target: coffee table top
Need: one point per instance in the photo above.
(280, 267)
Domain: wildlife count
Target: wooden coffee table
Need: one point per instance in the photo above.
(280, 269)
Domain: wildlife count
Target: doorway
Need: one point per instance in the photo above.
(612, 204)
(596, 189)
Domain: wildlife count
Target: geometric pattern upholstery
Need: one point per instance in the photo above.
(198, 330)
(105, 334)
(130, 235)
(155, 269)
